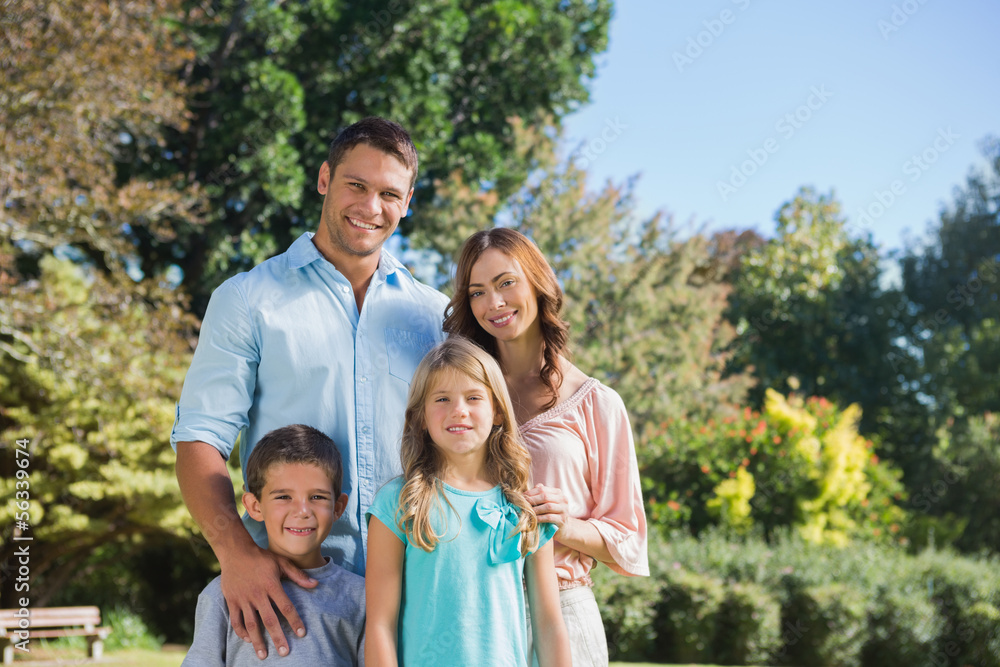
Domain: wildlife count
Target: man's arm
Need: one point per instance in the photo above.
(251, 576)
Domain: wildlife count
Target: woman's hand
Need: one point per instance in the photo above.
(550, 505)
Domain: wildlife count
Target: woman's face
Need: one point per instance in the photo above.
(502, 299)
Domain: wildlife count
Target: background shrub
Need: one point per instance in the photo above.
(748, 631)
(903, 628)
(830, 626)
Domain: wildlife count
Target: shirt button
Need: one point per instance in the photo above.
(365, 430)
(343, 288)
(364, 378)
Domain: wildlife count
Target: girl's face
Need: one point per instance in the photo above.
(502, 299)
(459, 414)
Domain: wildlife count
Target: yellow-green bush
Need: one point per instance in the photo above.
(799, 463)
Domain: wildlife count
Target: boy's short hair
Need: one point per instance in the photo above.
(297, 443)
(379, 133)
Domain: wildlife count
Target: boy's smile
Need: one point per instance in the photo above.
(298, 508)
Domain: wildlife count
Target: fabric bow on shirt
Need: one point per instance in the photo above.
(505, 544)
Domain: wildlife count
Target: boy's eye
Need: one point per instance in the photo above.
(320, 496)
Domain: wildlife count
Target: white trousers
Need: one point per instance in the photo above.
(584, 626)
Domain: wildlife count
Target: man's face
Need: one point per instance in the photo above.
(364, 198)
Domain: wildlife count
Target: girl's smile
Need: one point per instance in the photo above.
(459, 415)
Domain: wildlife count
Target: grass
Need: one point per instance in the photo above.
(46, 654)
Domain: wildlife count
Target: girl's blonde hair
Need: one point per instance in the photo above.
(507, 460)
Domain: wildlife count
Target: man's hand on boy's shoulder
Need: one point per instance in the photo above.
(251, 584)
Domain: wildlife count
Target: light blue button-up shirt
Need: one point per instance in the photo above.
(285, 344)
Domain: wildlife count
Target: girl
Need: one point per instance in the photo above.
(449, 542)
(576, 429)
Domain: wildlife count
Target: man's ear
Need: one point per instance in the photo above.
(323, 182)
(339, 506)
(406, 204)
(252, 506)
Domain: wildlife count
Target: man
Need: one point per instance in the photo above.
(326, 334)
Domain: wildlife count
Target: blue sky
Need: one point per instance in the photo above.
(725, 108)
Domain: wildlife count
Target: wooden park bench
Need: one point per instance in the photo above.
(50, 622)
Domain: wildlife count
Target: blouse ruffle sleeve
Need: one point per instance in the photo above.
(618, 512)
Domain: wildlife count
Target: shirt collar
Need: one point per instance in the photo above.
(303, 252)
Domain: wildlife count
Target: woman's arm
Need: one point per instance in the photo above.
(383, 588)
(551, 506)
(618, 516)
(549, 636)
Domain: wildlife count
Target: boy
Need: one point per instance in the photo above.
(293, 485)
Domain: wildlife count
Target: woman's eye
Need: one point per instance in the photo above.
(473, 295)
(506, 283)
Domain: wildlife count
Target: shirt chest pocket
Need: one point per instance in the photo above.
(404, 350)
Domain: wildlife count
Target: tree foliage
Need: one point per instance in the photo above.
(272, 83)
(90, 383)
(809, 304)
(953, 286)
(645, 315)
(90, 359)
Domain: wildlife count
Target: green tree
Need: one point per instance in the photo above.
(645, 314)
(90, 359)
(953, 286)
(273, 82)
(953, 332)
(809, 304)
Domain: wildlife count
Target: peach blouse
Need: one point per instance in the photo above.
(584, 447)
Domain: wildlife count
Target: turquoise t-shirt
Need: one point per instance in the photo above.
(463, 603)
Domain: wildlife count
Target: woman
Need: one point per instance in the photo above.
(507, 299)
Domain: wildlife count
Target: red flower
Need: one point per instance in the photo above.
(705, 469)
(674, 505)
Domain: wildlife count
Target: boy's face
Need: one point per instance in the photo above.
(298, 509)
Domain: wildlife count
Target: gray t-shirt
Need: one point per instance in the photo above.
(333, 613)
